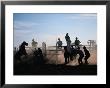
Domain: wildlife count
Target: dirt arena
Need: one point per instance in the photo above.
(54, 65)
(57, 57)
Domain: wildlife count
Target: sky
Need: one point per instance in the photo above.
(48, 27)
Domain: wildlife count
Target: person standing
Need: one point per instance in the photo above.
(81, 55)
(87, 55)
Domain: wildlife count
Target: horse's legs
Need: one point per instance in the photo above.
(66, 60)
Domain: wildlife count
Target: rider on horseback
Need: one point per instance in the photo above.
(68, 42)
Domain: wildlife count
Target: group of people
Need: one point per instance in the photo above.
(22, 51)
(70, 51)
(76, 43)
(39, 58)
(74, 51)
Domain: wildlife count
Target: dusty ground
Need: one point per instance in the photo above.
(54, 65)
(58, 58)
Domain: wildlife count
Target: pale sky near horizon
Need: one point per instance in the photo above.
(48, 27)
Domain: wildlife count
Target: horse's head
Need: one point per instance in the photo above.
(24, 43)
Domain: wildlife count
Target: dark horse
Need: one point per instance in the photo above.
(21, 51)
(69, 55)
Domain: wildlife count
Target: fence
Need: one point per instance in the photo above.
(54, 54)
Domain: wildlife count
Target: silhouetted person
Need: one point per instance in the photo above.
(81, 55)
(34, 43)
(66, 55)
(40, 52)
(21, 51)
(77, 42)
(39, 56)
(68, 41)
(36, 52)
(87, 55)
(36, 57)
(22, 48)
(67, 37)
(59, 43)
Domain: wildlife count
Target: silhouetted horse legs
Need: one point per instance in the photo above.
(73, 55)
(66, 56)
(66, 60)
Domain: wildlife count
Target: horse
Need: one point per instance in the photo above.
(73, 53)
(68, 55)
(21, 51)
